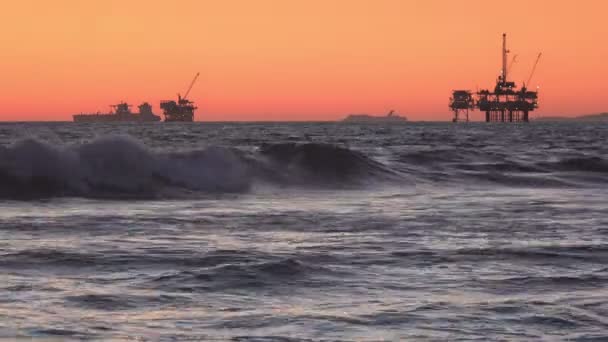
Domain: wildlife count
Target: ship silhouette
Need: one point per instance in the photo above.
(121, 113)
(391, 117)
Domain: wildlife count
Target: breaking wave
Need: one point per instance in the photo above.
(113, 167)
(120, 167)
(319, 164)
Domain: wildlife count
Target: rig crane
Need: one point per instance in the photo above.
(513, 61)
(191, 85)
(534, 69)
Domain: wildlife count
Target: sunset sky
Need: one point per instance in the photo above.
(294, 59)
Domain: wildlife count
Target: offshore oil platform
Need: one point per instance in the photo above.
(504, 104)
(183, 109)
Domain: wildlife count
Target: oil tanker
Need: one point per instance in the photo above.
(121, 113)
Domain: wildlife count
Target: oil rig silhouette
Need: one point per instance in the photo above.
(505, 104)
(183, 109)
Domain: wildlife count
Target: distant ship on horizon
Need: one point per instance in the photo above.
(391, 117)
(121, 113)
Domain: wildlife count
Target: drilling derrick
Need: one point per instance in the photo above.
(505, 103)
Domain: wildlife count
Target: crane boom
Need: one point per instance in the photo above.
(513, 61)
(534, 69)
(191, 85)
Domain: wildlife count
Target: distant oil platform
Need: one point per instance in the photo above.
(183, 109)
(504, 104)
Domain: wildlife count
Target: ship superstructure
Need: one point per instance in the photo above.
(505, 103)
(183, 109)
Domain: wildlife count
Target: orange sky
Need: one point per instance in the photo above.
(294, 59)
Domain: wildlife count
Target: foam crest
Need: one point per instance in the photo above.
(113, 167)
(121, 167)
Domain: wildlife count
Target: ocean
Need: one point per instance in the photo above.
(303, 232)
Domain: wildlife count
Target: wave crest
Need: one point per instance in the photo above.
(120, 167)
(315, 163)
(113, 167)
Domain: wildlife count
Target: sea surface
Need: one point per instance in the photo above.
(303, 232)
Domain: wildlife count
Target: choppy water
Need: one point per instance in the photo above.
(288, 232)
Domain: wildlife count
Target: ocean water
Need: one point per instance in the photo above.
(303, 232)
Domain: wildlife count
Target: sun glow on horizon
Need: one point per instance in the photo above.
(282, 60)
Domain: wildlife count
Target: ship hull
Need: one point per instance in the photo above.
(115, 118)
(374, 119)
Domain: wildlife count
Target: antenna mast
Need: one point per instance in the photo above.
(505, 52)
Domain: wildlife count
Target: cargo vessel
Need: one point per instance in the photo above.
(120, 113)
(391, 117)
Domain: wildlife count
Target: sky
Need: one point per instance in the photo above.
(294, 59)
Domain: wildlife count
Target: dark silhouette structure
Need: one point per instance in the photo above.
(183, 109)
(461, 102)
(121, 112)
(505, 103)
(391, 117)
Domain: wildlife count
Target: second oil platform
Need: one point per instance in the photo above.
(505, 103)
(183, 109)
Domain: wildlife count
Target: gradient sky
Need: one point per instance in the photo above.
(294, 59)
